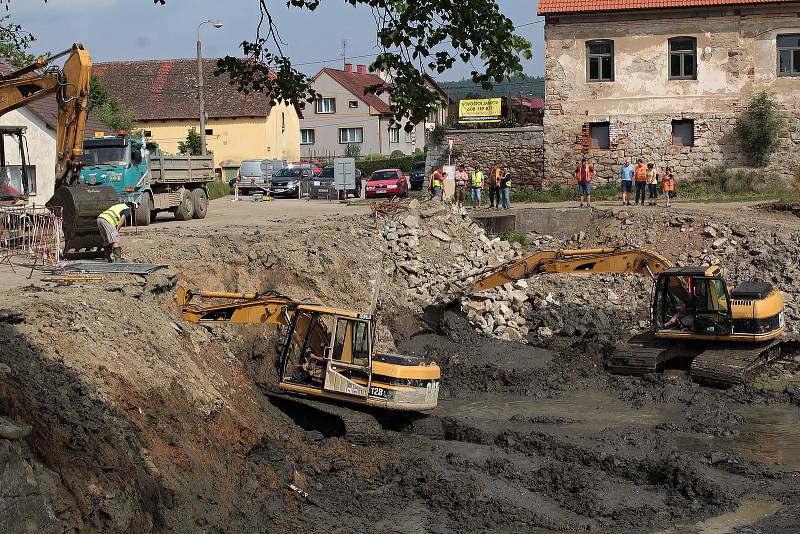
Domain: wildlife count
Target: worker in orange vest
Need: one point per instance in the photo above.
(584, 173)
(668, 181)
(640, 177)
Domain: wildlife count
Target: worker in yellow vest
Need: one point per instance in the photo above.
(476, 186)
(109, 222)
(437, 179)
(505, 189)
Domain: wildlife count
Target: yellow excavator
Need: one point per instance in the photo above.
(327, 353)
(81, 205)
(729, 334)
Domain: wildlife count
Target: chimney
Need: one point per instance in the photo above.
(362, 69)
(348, 67)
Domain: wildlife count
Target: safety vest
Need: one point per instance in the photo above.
(584, 173)
(508, 181)
(640, 173)
(436, 179)
(652, 176)
(669, 182)
(113, 214)
(477, 179)
(497, 177)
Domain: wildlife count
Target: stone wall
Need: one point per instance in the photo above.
(521, 150)
(736, 58)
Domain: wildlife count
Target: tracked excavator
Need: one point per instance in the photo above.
(80, 205)
(327, 354)
(728, 334)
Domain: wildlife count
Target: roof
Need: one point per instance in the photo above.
(554, 7)
(46, 108)
(357, 84)
(529, 102)
(167, 89)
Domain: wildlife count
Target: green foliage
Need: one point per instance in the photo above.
(514, 237)
(725, 180)
(464, 88)
(14, 43)
(191, 146)
(397, 154)
(437, 135)
(376, 156)
(108, 108)
(758, 129)
(404, 163)
(419, 153)
(352, 150)
(218, 190)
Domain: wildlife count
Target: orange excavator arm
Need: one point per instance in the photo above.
(71, 85)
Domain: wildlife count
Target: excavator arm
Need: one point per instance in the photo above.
(598, 260)
(71, 86)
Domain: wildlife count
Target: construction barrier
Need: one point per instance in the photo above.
(30, 232)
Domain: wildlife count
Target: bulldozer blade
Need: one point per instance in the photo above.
(80, 207)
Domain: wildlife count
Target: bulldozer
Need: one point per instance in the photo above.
(80, 205)
(728, 335)
(327, 353)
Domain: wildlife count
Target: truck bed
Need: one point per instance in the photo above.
(181, 169)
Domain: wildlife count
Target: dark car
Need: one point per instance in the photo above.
(322, 185)
(417, 176)
(291, 182)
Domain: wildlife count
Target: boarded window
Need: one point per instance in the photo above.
(683, 133)
(789, 55)
(599, 135)
(683, 58)
(209, 131)
(599, 61)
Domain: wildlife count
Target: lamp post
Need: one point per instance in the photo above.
(216, 24)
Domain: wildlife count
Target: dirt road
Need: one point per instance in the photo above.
(142, 423)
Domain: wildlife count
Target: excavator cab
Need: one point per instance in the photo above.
(691, 302)
(17, 178)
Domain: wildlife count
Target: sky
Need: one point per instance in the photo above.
(138, 29)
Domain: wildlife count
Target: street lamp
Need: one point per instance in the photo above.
(216, 24)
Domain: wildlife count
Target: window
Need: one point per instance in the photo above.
(148, 133)
(683, 133)
(209, 131)
(16, 185)
(600, 61)
(352, 104)
(789, 55)
(351, 343)
(307, 136)
(600, 136)
(394, 135)
(683, 58)
(351, 135)
(410, 136)
(326, 105)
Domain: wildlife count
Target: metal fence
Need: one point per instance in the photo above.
(30, 232)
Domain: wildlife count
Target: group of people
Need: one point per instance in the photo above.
(498, 181)
(645, 178)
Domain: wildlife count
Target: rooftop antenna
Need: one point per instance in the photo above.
(344, 53)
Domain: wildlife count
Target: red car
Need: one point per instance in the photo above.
(387, 183)
(315, 167)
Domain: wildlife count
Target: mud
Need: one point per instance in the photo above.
(142, 423)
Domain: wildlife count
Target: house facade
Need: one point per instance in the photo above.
(665, 81)
(162, 95)
(344, 115)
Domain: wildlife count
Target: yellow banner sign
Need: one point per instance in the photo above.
(480, 110)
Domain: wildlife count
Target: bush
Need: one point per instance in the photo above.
(514, 237)
(758, 129)
(367, 167)
(352, 150)
(397, 154)
(724, 180)
(218, 190)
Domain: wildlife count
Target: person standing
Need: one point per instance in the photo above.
(652, 184)
(436, 183)
(505, 189)
(668, 182)
(627, 181)
(584, 173)
(109, 222)
(494, 186)
(461, 186)
(476, 184)
(640, 176)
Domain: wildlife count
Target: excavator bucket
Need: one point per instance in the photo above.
(80, 208)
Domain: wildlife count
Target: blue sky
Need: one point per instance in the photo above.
(138, 29)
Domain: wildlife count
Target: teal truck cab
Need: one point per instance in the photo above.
(147, 179)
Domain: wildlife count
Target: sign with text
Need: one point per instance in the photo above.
(480, 110)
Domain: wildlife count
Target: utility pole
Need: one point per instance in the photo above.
(344, 53)
(216, 24)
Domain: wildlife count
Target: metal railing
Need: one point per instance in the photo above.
(30, 232)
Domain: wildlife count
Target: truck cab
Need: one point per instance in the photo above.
(119, 161)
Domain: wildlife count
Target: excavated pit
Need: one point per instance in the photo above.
(143, 423)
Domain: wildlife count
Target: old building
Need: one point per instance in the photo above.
(665, 80)
(162, 95)
(344, 115)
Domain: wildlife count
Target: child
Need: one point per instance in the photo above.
(669, 186)
(652, 184)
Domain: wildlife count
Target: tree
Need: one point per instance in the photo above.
(108, 108)
(758, 129)
(14, 43)
(191, 146)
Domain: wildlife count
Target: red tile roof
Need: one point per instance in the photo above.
(357, 83)
(167, 89)
(553, 7)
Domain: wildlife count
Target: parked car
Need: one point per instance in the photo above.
(291, 182)
(251, 177)
(417, 177)
(322, 185)
(387, 183)
(313, 165)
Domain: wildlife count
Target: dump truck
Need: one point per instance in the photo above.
(146, 178)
